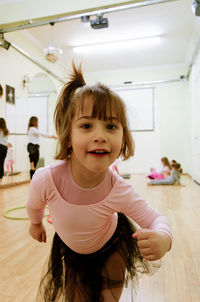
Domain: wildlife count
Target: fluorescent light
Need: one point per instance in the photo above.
(118, 45)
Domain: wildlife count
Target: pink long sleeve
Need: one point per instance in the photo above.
(86, 227)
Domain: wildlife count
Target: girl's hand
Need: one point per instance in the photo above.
(38, 232)
(152, 244)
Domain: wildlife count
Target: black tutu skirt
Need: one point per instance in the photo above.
(73, 277)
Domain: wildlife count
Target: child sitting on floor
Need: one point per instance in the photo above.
(171, 180)
(162, 172)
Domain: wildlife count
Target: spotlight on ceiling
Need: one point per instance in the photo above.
(196, 7)
(3, 43)
(99, 22)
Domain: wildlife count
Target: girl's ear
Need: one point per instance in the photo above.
(69, 144)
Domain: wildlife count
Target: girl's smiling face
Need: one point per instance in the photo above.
(96, 143)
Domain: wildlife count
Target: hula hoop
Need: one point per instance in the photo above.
(16, 218)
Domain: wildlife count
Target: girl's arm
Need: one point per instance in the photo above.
(154, 238)
(35, 208)
(37, 132)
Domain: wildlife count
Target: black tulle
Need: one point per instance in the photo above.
(81, 277)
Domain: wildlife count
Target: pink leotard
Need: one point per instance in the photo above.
(85, 219)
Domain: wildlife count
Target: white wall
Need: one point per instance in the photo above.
(195, 120)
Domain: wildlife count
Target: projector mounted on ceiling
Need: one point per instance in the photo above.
(99, 22)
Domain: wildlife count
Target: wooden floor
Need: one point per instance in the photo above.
(15, 179)
(178, 280)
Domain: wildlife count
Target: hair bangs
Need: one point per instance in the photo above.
(105, 105)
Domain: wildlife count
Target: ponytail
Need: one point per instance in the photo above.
(64, 111)
(64, 100)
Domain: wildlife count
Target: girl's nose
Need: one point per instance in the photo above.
(99, 140)
(99, 137)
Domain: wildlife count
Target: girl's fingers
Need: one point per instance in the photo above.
(142, 234)
(142, 244)
(146, 252)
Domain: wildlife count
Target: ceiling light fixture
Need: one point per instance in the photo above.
(52, 52)
(118, 45)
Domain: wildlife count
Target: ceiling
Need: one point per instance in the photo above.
(173, 21)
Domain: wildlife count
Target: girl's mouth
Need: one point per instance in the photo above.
(98, 152)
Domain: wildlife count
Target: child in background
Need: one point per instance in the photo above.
(33, 146)
(171, 180)
(9, 161)
(173, 161)
(96, 248)
(163, 172)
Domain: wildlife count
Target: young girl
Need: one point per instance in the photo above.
(34, 143)
(3, 145)
(163, 172)
(96, 248)
(172, 179)
(9, 161)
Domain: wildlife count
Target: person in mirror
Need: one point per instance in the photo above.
(96, 248)
(34, 143)
(173, 179)
(4, 133)
(9, 161)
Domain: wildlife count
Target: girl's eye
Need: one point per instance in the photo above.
(111, 127)
(86, 126)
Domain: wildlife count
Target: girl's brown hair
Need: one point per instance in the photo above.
(33, 122)
(166, 162)
(177, 167)
(105, 102)
(3, 126)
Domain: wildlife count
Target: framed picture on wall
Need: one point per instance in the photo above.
(10, 95)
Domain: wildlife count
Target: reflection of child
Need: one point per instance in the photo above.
(9, 161)
(96, 248)
(162, 172)
(171, 180)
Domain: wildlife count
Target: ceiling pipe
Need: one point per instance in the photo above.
(148, 84)
(74, 16)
